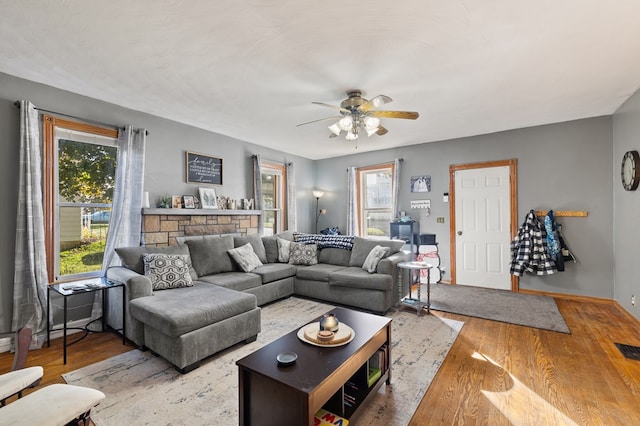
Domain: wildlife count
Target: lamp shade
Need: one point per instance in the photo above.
(318, 193)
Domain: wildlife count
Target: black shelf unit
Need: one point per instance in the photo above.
(408, 231)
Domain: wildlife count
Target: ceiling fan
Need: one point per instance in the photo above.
(358, 114)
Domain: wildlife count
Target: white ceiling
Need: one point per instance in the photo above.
(250, 69)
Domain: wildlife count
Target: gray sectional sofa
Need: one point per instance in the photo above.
(215, 303)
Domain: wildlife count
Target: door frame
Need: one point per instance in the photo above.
(513, 177)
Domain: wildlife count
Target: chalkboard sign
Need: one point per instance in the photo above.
(203, 168)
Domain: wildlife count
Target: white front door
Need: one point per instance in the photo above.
(483, 227)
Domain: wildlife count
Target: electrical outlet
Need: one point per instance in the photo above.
(440, 219)
(633, 300)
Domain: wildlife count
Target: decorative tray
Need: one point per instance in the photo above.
(309, 334)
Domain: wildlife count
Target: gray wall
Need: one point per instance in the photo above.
(626, 212)
(564, 166)
(164, 173)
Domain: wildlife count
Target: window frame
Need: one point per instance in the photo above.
(280, 171)
(50, 192)
(360, 194)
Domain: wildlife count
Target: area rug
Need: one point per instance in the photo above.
(530, 310)
(142, 389)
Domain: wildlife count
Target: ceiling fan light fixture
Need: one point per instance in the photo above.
(371, 131)
(351, 136)
(371, 123)
(345, 123)
(335, 129)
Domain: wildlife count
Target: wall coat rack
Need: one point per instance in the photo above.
(563, 213)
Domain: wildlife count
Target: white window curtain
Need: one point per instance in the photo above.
(352, 202)
(30, 265)
(396, 187)
(126, 208)
(257, 190)
(125, 225)
(291, 198)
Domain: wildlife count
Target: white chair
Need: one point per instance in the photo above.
(19, 378)
(57, 404)
(53, 405)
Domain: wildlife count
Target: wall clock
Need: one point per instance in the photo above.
(630, 170)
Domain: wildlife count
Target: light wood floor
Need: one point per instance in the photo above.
(495, 373)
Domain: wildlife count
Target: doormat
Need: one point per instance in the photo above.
(631, 352)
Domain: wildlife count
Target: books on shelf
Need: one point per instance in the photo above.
(327, 418)
(374, 375)
(377, 366)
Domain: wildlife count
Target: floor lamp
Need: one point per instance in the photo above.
(318, 194)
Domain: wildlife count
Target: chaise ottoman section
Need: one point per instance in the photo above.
(185, 325)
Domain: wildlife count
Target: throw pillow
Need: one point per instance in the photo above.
(245, 257)
(375, 255)
(284, 248)
(167, 270)
(303, 254)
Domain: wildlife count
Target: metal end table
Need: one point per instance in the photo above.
(410, 302)
(79, 287)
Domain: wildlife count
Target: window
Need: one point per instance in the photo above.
(80, 164)
(375, 198)
(274, 178)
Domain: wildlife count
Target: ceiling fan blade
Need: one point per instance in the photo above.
(339, 108)
(409, 115)
(322, 119)
(381, 131)
(375, 102)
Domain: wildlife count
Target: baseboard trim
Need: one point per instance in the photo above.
(5, 343)
(627, 314)
(564, 296)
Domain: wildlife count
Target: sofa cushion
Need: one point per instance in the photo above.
(245, 257)
(303, 254)
(375, 255)
(271, 245)
(357, 277)
(256, 243)
(131, 257)
(284, 250)
(167, 270)
(362, 247)
(239, 281)
(275, 271)
(334, 256)
(209, 255)
(319, 272)
(182, 310)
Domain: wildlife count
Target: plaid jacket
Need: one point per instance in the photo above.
(529, 249)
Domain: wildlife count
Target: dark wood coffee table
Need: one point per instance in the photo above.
(333, 378)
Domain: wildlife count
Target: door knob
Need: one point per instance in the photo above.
(459, 232)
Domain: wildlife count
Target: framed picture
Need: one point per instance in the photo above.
(203, 169)
(176, 202)
(189, 201)
(208, 198)
(420, 183)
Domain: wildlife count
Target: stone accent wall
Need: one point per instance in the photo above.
(162, 229)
